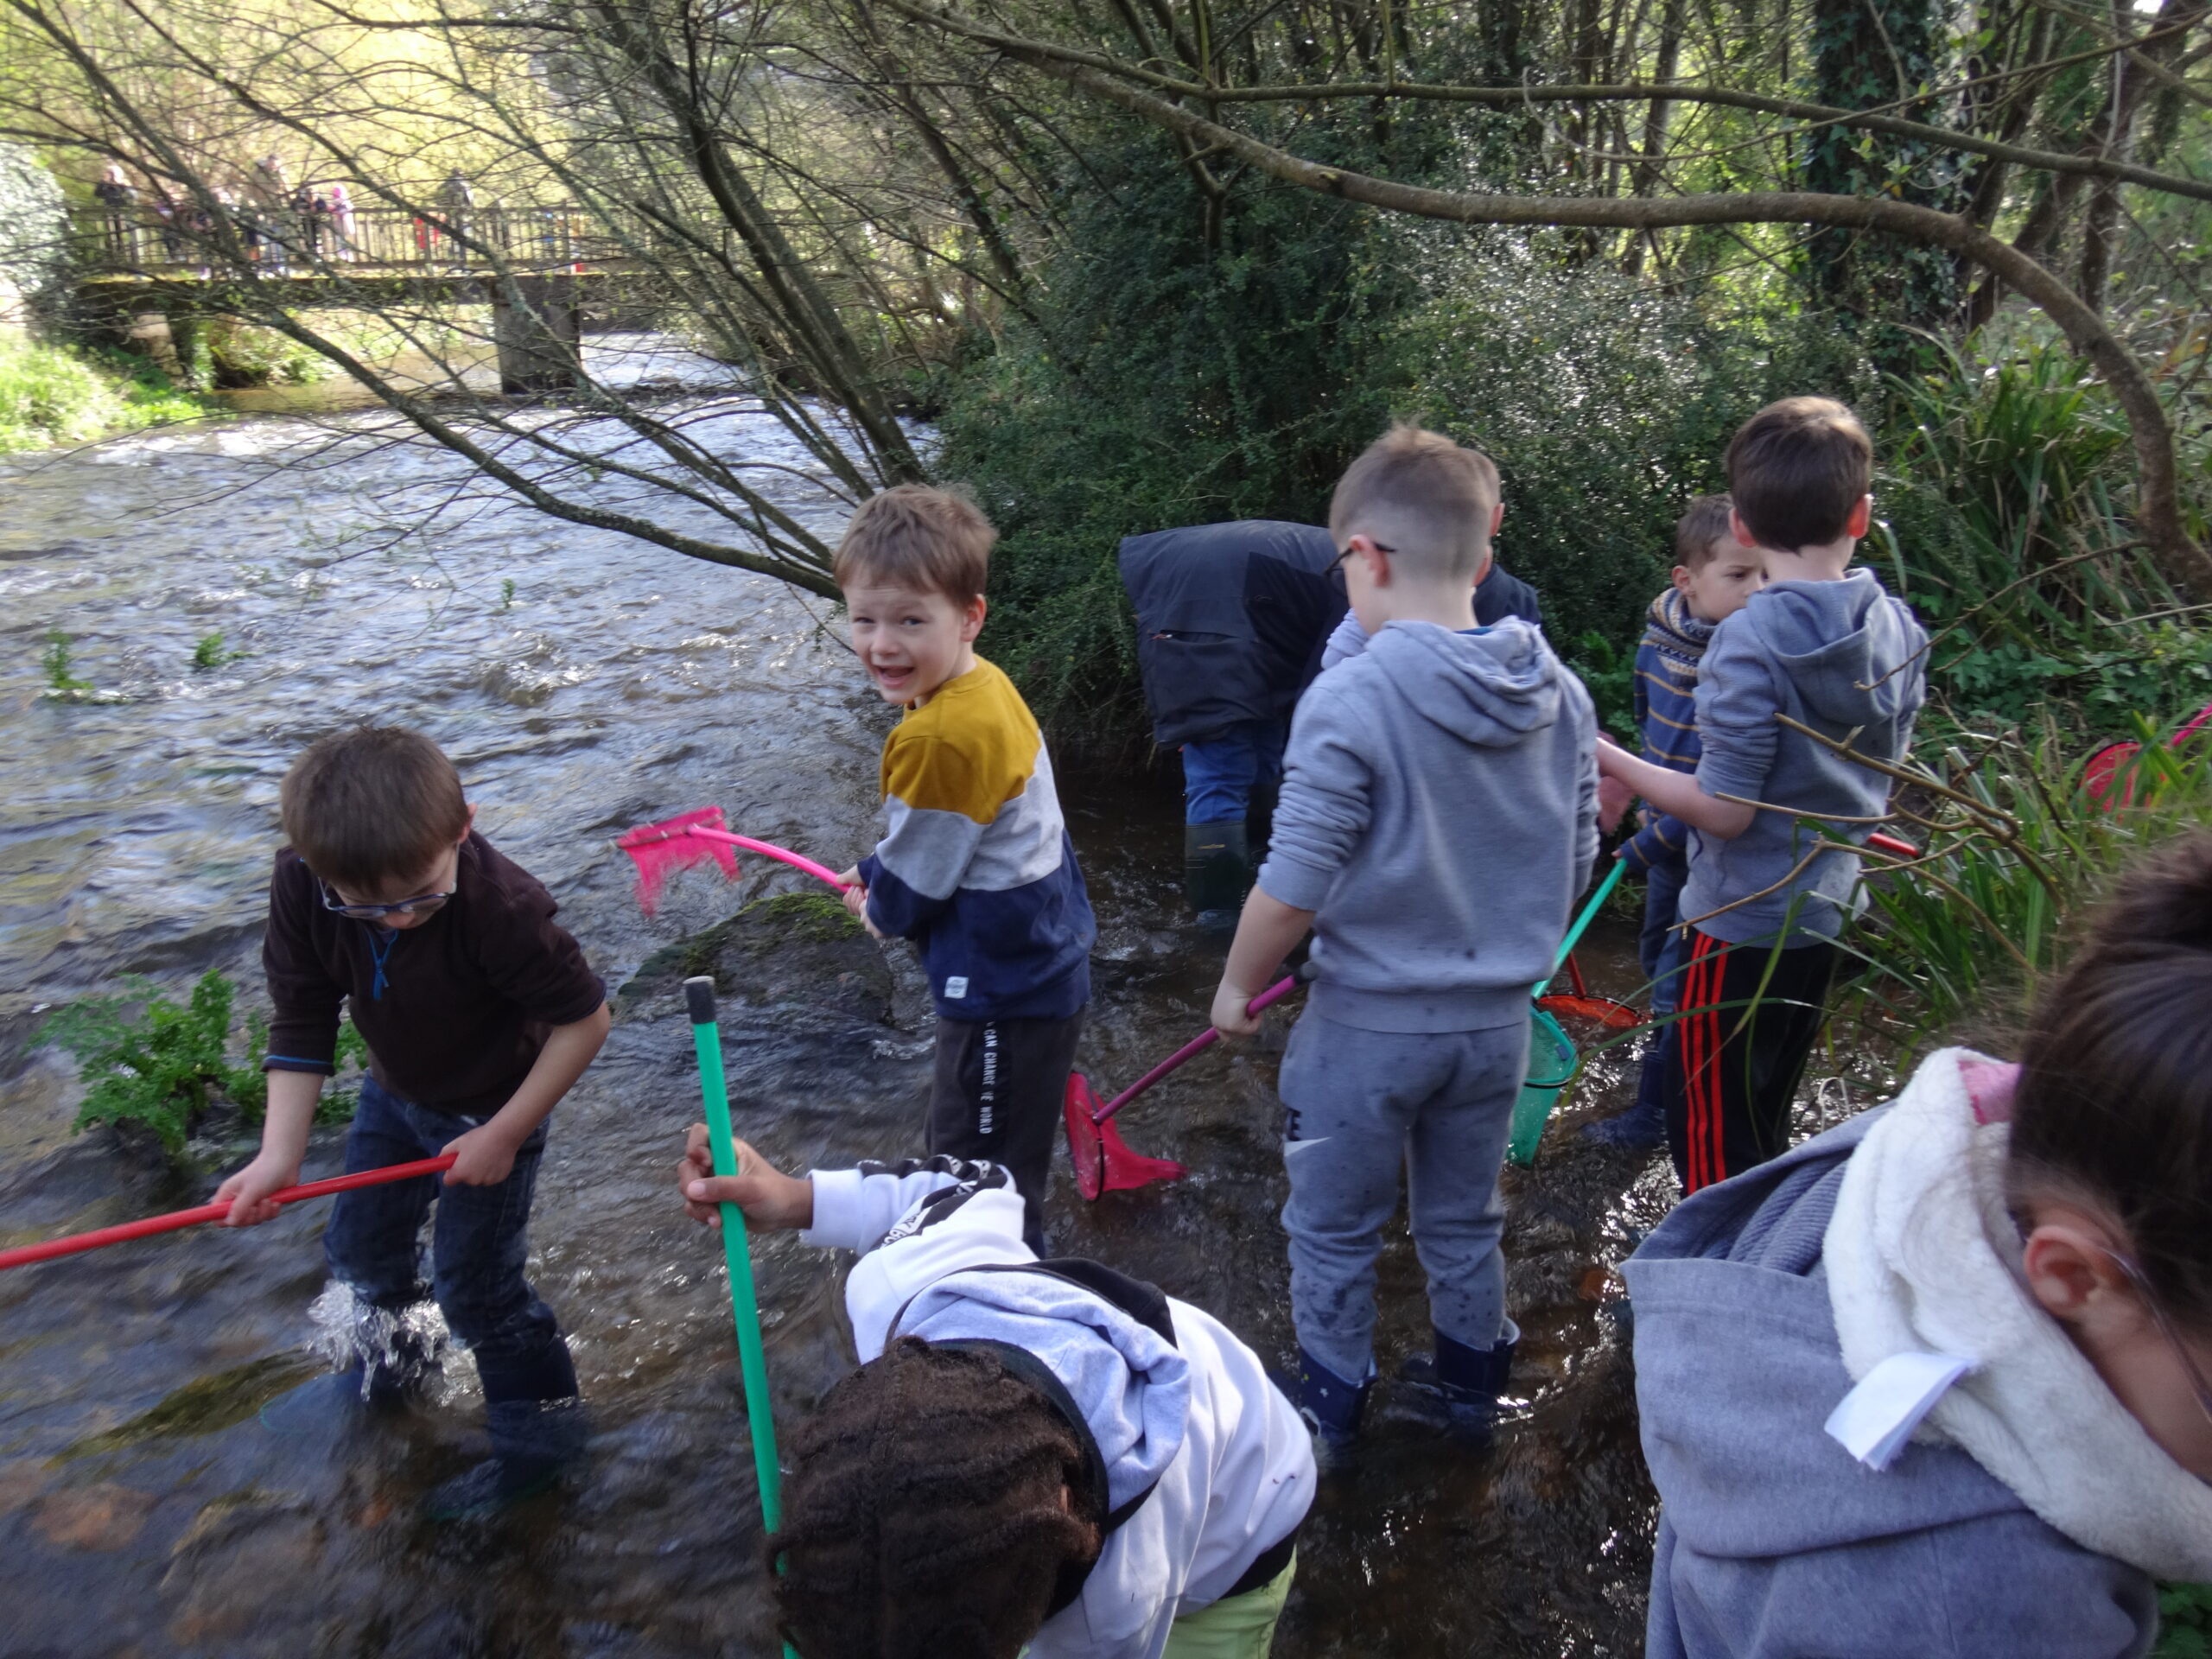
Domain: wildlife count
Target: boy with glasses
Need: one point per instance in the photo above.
(480, 1013)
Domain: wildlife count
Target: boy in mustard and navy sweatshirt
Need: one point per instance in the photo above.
(975, 866)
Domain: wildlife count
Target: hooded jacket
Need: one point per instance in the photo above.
(1667, 659)
(1499, 595)
(2024, 1516)
(1439, 814)
(1846, 659)
(1228, 617)
(1224, 1465)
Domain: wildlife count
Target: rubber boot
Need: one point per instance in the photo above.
(1643, 1128)
(538, 1426)
(1331, 1407)
(1217, 873)
(1466, 1383)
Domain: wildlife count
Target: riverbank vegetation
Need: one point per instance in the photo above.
(59, 394)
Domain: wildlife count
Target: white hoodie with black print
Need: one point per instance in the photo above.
(1228, 1463)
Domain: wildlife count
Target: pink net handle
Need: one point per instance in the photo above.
(769, 850)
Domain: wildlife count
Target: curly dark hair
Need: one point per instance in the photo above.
(924, 1518)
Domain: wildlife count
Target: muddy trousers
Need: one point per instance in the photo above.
(480, 1244)
(1731, 1062)
(996, 1092)
(1364, 1109)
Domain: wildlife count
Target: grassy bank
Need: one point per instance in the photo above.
(54, 394)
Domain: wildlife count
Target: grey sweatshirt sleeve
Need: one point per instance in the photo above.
(1348, 639)
(1737, 700)
(1326, 804)
(1587, 838)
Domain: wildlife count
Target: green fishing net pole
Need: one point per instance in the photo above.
(744, 1303)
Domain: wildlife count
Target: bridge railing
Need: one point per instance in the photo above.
(185, 242)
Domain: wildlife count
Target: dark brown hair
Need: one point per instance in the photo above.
(377, 804)
(1423, 496)
(1700, 530)
(2114, 1101)
(936, 541)
(1797, 469)
(922, 1518)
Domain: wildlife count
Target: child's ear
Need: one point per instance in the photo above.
(971, 620)
(1741, 530)
(2070, 1272)
(1497, 517)
(1682, 578)
(468, 826)
(1377, 563)
(1862, 519)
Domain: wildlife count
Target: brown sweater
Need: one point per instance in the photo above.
(456, 1016)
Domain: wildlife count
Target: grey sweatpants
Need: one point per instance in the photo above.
(1360, 1106)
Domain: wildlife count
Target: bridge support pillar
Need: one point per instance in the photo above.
(538, 322)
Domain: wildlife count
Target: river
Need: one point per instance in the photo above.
(582, 682)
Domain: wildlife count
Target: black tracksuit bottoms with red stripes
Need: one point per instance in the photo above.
(1732, 1057)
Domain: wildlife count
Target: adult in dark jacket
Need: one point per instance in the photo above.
(1230, 618)
(1232, 624)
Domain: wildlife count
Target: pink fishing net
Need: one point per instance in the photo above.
(660, 849)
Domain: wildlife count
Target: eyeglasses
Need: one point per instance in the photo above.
(1376, 545)
(2165, 1329)
(420, 907)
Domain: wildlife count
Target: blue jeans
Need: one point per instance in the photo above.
(479, 1247)
(1220, 774)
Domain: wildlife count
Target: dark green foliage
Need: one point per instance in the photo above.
(1173, 384)
(161, 1065)
(2006, 484)
(1868, 54)
(2185, 1621)
(1608, 673)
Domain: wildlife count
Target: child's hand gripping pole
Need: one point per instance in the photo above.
(745, 1307)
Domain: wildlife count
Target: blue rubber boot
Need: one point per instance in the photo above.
(538, 1425)
(1467, 1383)
(1331, 1407)
(1643, 1128)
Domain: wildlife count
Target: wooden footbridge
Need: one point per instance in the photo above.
(142, 273)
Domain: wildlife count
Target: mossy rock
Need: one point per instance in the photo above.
(795, 950)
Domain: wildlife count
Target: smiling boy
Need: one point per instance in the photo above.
(975, 865)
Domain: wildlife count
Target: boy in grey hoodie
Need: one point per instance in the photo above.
(1825, 647)
(1438, 816)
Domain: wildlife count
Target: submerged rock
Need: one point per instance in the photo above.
(793, 950)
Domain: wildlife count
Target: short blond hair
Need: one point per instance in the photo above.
(912, 536)
(1427, 499)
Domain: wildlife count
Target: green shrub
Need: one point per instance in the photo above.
(159, 1064)
(209, 653)
(58, 663)
(243, 355)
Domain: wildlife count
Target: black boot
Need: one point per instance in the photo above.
(1217, 873)
(1331, 1407)
(1466, 1383)
(538, 1425)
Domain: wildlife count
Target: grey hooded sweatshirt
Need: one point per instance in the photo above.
(1438, 815)
(1844, 658)
(1775, 1543)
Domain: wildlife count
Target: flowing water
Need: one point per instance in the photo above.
(145, 1507)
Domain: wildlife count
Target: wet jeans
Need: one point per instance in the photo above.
(1364, 1109)
(1220, 774)
(480, 1245)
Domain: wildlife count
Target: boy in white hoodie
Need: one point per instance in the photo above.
(1033, 1454)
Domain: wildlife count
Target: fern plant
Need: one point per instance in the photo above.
(162, 1064)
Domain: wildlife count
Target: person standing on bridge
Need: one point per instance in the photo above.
(269, 200)
(456, 203)
(120, 197)
(341, 222)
